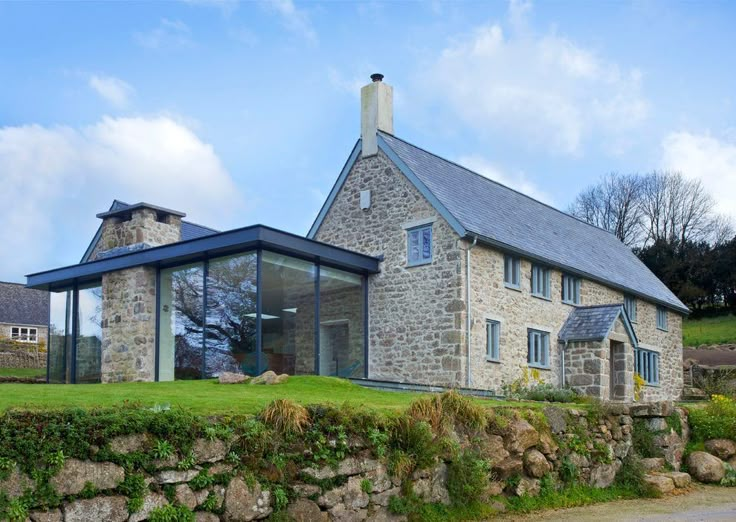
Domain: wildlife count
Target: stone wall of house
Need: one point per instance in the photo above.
(416, 313)
(129, 325)
(143, 228)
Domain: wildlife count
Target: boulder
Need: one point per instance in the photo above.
(603, 475)
(173, 476)
(75, 474)
(705, 467)
(204, 516)
(16, 483)
(243, 504)
(508, 468)
(185, 496)
(269, 377)
(231, 378)
(660, 483)
(681, 480)
(724, 449)
(206, 450)
(528, 487)
(520, 436)
(304, 510)
(535, 463)
(382, 499)
(129, 443)
(556, 418)
(341, 513)
(490, 447)
(431, 485)
(547, 445)
(652, 464)
(150, 502)
(53, 515)
(109, 509)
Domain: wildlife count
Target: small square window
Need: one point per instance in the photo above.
(570, 289)
(419, 245)
(540, 281)
(646, 364)
(511, 271)
(538, 355)
(493, 334)
(662, 318)
(630, 307)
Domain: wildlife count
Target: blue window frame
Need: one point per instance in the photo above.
(538, 349)
(540, 281)
(570, 289)
(419, 245)
(646, 364)
(662, 318)
(630, 307)
(511, 271)
(493, 334)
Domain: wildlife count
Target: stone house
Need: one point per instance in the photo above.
(416, 270)
(24, 313)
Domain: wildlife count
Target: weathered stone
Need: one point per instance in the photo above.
(495, 488)
(380, 479)
(508, 467)
(341, 513)
(382, 499)
(109, 509)
(53, 515)
(204, 516)
(580, 461)
(705, 467)
(331, 498)
(169, 462)
(652, 464)
(680, 479)
(173, 476)
(656, 424)
(381, 514)
(660, 483)
(75, 474)
(221, 467)
(282, 378)
(354, 497)
(491, 448)
(520, 435)
(603, 475)
(724, 449)
(16, 483)
(547, 444)
(528, 487)
(303, 510)
(185, 496)
(206, 450)
(267, 377)
(243, 504)
(348, 467)
(129, 443)
(535, 463)
(305, 490)
(231, 378)
(150, 502)
(432, 486)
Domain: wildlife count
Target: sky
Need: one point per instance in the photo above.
(244, 113)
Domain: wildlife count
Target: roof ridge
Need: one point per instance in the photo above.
(498, 183)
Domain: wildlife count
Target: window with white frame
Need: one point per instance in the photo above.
(570, 289)
(538, 349)
(661, 318)
(419, 245)
(646, 364)
(540, 281)
(630, 307)
(24, 334)
(493, 334)
(511, 271)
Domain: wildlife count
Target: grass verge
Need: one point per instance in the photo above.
(709, 330)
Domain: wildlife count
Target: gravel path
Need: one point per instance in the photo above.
(701, 503)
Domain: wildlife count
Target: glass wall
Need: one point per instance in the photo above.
(231, 315)
(341, 324)
(89, 334)
(181, 323)
(287, 317)
(60, 336)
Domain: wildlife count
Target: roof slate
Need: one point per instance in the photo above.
(510, 219)
(590, 323)
(23, 306)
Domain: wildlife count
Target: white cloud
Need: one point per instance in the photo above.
(294, 19)
(113, 90)
(711, 160)
(168, 34)
(518, 181)
(546, 90)
(55, 179)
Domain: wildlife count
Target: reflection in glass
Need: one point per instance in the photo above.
(287, 317)
(231, 315)
(341, 320)
(89, 334)
(60, 336)
(181, 322)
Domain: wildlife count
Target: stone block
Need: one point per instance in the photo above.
(109, 509)
(75, 474)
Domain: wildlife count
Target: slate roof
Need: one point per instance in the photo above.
(514, 222)
(593, 323)
(23, 306)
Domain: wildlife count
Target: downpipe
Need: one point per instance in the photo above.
(468, 318)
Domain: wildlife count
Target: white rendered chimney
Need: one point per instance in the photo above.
(376, 113)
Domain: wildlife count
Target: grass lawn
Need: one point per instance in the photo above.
(23, 372)
(709, 330)
(210, 398)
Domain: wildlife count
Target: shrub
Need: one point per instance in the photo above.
(642, 439)
(630, 476)
(416, 440)
(717, 382)
(163, 449)
(464, 410)
(280, 498)
(286, 416)
(171, 514)
(467, 478)
(716, 420)
(569, 472)
(430, 410)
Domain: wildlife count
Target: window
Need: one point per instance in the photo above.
(24, 334)
(646, 364)
(570, 289)
(662, 318)
(540, 281)
(630, 307)
(419, 245)
(511, 269)
(538, 349)
(493, 333)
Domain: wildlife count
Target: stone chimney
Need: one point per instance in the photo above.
(376, 113)
(137, 227)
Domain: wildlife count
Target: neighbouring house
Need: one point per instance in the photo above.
(24, 314)
(416, 270)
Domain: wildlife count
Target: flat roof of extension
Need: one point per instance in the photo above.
(215, 245)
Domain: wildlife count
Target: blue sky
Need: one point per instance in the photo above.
(242, 113)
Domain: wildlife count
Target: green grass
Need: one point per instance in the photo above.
(709, 330)
(210, 398)
(23, 372)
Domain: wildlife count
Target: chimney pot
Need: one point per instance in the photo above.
(377, 77)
